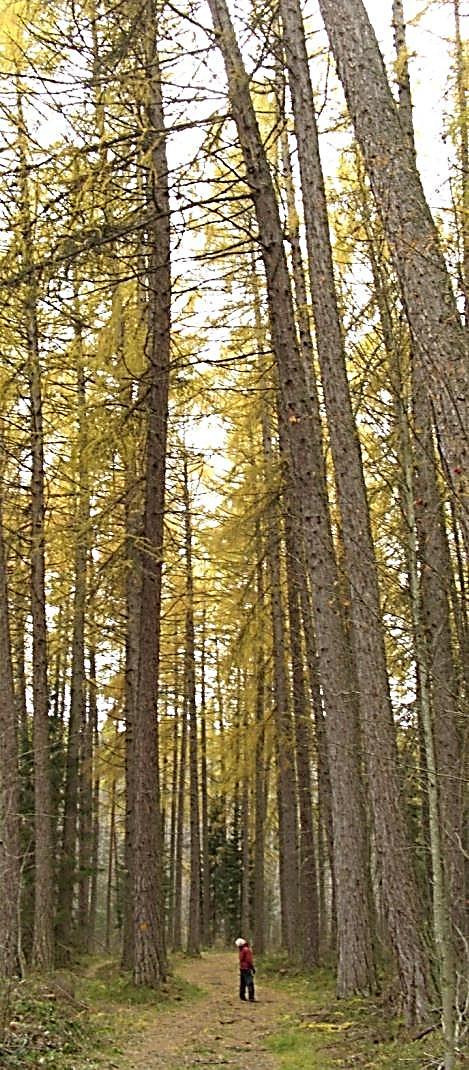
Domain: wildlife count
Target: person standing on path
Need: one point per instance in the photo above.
(246, 969)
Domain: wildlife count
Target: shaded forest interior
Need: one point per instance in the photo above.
(233, 491)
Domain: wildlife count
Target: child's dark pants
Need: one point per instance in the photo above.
(246, 981)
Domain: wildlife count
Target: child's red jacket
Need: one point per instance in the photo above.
(246, 961)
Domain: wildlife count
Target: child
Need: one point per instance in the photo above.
(246, 969)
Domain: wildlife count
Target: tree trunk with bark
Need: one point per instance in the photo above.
(463, 152)
(10, 872)
(43, 935)
(286, 788)
(438, 336)
(178, 857)
(356, 969)
(149, 950)
(206, 908)
(308, 886)
(77, 720)
(111, 864)
(258, 909)
(245, 820)
(93, 719)
(327, 911)
(193, 934)
(436, 581)
(391, 841)
(133, 583)
(174, 784)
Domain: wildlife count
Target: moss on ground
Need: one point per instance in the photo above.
(352, 1034)
(71, 1020)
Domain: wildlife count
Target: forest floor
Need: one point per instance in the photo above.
(93, 1018)
(296, 1024)
(217, 1030)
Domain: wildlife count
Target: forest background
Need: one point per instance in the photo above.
(233, 552)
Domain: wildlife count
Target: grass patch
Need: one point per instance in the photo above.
(331, 1034)
(39, 1029)
(76, 1020)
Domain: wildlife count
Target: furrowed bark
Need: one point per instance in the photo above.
(439, 339)
(367, 638)
(356, 970)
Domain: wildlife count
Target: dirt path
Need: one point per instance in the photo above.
(216, 1032)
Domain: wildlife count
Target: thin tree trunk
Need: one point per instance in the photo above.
(85, 829)
(85, 786)
(193, 936)
(10, 873)
(43, 935)
(174, 784)
(26, 769)
(133, 520)
(436, 580)
(111, 863)
(308, 886)
(325, 830)
(402, 75)
(93, 720)
(441, 919)
(286, 790)
(206, 913)
(245, 821)
(177, 930)
(259, 776)
(221, 724)
(77, 719)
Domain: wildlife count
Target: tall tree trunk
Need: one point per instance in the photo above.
(286, 789)
(356, 970)
(245, 819)
(392, 847)
(395, 353)
(193, 935)
(325, 830)
(221, 724)
(93, 720)
(85, 786)
(174, 798)
(436, 580)
(26, 768)
(308, 886)
(438, 336)
(442, 746)
(85, 829)
(111, 864)
(77, 719)
(149, 951)
(43, 936)
(133, 525)
(177, 928)
(204, 790)
(463, 152)
(258, 909)
(10, 873)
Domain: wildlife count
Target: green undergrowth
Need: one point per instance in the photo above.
(75, 1020)
(352, 1034)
